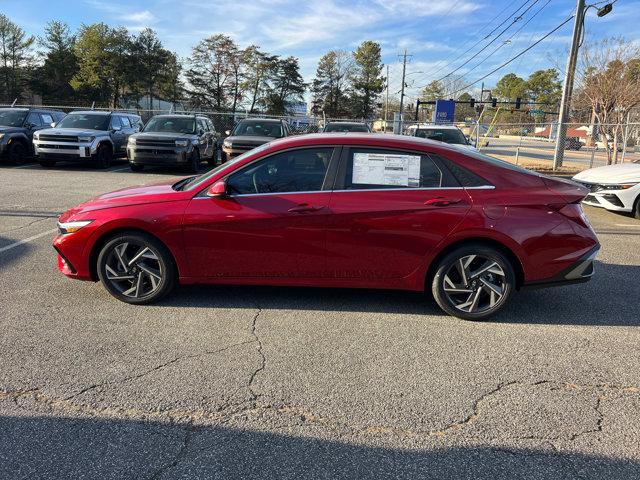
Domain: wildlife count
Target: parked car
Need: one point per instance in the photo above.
(346, 127)
(177, 140)
(572, 143)
(362, 211)
(250, 133)
(613, 187)
(17, 126)
(92, 135)
(442, 133)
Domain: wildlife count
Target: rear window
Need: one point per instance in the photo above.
(446, 135)
(346, 127)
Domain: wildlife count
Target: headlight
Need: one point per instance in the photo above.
(86, 139)
(132, 141)
(620, 186)
(227, 144)
(2, 136)
(72, 227)
(182, 143)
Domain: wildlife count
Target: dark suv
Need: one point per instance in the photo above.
(252, 132)
(16, 130)
(346, 127)
(180, 140)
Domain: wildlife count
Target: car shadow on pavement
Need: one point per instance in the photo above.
(7, 257)
(597, 302)
(59, 447)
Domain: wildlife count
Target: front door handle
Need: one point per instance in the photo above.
(442, 201)
(304, 208)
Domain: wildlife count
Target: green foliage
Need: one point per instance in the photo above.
(366, 78)
(544, 86)
(331, 89)
(510, 87)
(15, 59)
(285, 86)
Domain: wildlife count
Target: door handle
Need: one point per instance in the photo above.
(442, 201)
(304, 208)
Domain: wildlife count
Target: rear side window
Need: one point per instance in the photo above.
(46, 118)
(301, 170)
(366, 169)
(115, 122)
(464, 176)
(125, 122)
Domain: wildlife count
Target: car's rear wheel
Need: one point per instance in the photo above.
(136, 268)
(473, 282)
(636, 208)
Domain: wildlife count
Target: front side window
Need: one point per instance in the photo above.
(34, 119)
(88, 121)
(302, 170)
(125, 122)
(258, 129)
(368, 169)
(12, 118)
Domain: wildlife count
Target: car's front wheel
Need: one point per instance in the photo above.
(136, 268)
(473, 282)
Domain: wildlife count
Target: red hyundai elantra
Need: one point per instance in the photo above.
(350, 210)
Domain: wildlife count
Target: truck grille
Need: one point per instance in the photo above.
(59, 138)
(155, 143)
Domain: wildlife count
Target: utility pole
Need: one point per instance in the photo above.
(567, 87)
(386, 105)
(404, 68)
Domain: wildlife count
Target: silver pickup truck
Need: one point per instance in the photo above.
(97, 137)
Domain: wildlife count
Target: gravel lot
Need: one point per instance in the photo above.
(247, 382)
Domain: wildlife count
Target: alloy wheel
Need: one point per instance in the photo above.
(134, 270)
(475, 284)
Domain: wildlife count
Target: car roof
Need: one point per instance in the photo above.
(435, 125)
(363, 139)
(102, 112)
(345, 123)
(258, 119)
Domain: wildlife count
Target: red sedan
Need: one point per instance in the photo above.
(353, 210)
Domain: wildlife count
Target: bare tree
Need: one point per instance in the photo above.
(609, 76)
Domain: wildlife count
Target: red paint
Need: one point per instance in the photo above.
(373, 238)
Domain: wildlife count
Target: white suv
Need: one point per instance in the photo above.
(443, 133)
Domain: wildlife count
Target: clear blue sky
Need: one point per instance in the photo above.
(433, 31)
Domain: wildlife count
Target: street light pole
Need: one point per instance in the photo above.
(567, 87)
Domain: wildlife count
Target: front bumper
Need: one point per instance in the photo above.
(579, 272)
(615, 200)
(64, 150)
(231, 152)
(158, 156)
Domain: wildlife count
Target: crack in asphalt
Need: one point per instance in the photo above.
(155, 369)
(263, 359)
(32, 222)
(189, 433)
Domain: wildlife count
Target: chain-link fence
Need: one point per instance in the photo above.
(531, 144)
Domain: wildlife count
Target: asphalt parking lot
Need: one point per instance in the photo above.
(248, 382)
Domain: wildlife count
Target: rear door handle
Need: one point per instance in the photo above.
(442, 201)
(304, 208)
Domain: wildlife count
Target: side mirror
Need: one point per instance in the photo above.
(217, 190)
(227, 132)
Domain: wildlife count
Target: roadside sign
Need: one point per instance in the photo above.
(444, 111)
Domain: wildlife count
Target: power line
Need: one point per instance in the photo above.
(515, 34)
(517, 56)
(484, 37)
(513, 22)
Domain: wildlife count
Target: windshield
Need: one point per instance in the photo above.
(12, 118)
(89, 121)
(171, 125)
(258, 129)
(446, 135)
(199, 180)
(346, 127)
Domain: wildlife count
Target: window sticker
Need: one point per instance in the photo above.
(386, 169)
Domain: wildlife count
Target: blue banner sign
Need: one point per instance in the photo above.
(444, 111)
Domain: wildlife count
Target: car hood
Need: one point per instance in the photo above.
(624, 172)
(68, 131)
(163, 135)
(249, 140)
(136, 195)
(6, 129)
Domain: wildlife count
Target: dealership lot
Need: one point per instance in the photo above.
(229, 382)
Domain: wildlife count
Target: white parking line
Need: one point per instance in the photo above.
(28, 165)
(627, 225)
(120, 169)
(26, 240)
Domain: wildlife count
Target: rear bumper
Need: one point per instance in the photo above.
(579, 272)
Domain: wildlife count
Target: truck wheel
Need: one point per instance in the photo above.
(17, 153)
(104, 156)
(47, 163)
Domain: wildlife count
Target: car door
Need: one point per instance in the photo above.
(272, 223)
(117, 135)
(34, 123)
(203, 138)
(390, 209)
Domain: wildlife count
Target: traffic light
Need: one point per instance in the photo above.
(518, 102)
(494, 102)
(472, 102)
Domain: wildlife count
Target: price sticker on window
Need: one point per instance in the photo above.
(386, 169)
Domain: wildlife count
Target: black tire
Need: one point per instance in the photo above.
(47, 163)
(636, 208)
(194, 161)
(104, 156)
(136, 167)
(135, 242)
(453, 290)
(17, 153)
(223, 157)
